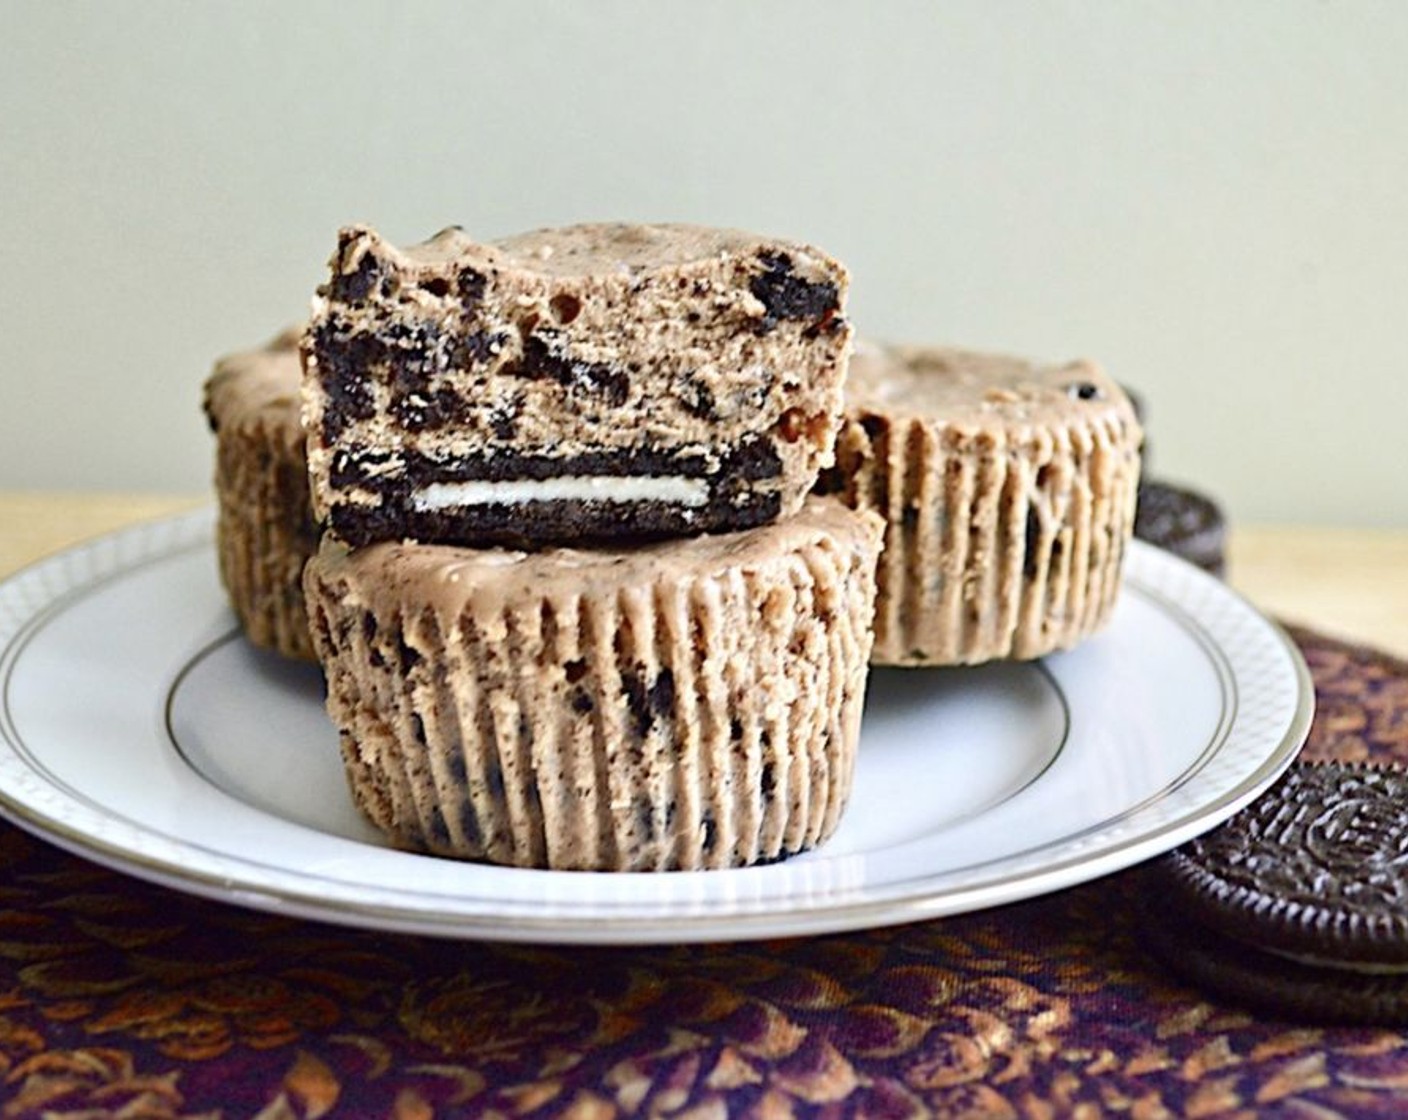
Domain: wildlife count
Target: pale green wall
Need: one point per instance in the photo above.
(1210, 197)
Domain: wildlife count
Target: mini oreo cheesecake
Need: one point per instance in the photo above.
(1008, 491)
(692, 703)
(590, 383)
(265, 531)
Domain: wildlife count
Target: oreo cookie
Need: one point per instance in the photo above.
(1184, 522)
(1298, 904)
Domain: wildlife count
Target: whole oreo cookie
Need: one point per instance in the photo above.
(1300, 902)
(1182, 521)
(1271, 983)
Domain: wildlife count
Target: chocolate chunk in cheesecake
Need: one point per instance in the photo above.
(596, 382)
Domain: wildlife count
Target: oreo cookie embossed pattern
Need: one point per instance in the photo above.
(1317, 867)
(1300, 902)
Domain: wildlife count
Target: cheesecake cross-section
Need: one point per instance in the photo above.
(594, 382)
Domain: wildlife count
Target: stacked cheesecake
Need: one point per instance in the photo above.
(602, 512)
(575, 605)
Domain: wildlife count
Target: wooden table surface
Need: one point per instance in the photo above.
(1349, 583)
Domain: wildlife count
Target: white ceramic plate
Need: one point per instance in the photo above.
(140, 730)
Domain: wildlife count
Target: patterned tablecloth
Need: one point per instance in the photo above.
(119, 998)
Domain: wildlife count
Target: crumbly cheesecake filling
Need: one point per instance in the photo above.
(659, 352)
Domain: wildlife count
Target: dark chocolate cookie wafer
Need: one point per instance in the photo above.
(1317, 867)
(1307, 887)
(1272, 983)
(1182, 521)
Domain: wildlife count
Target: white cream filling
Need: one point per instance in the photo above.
(571, 488)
